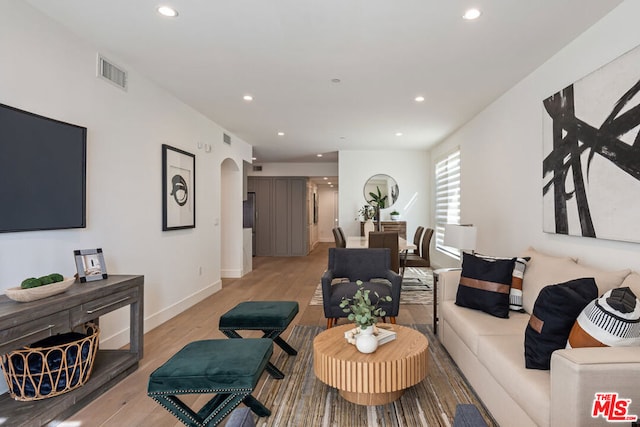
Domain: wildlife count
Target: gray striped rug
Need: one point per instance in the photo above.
(302, 400)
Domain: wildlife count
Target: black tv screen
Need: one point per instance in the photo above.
(42, 172)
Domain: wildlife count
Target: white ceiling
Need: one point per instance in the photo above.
(286, 52)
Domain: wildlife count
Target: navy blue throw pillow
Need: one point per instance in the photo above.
(485, 284)
(554, 313)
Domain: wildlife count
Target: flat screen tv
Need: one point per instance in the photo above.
(42, 172)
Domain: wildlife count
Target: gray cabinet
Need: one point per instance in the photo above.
(24, 323)
(281, 215)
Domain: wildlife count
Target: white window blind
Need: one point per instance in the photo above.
(447, 181)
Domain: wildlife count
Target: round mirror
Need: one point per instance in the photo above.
(381, 190)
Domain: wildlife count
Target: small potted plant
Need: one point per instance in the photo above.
(366, 213)
(395, 215)
(365, 314)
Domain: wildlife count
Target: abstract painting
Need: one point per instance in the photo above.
(178, 189)
(591, 165)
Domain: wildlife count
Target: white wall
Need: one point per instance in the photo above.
(501, 153)
(409, 169)
(47, 70)
(296, 169)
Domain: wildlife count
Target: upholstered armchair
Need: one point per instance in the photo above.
(372, 267)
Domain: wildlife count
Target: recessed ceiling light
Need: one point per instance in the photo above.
(398, 133)
(248, 98)
(419, 98)
(280, 133)
(329, 183)
(318, 155)
(335, 80)
(167, 11)
(471, 14)
(254, 158)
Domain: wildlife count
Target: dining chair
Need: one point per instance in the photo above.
(387, 239)
(422, 260)
(338, 237)
(417, 237)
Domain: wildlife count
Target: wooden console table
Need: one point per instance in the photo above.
(22, 323)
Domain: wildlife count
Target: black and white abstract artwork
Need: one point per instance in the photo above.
(591, 165)
(178, 189)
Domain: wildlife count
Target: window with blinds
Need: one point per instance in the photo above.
(447, 192)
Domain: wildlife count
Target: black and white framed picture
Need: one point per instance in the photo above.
(90, 264)
(178, 189)
(591, 162)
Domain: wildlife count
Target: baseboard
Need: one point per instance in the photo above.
(120, 339)
(231, 273)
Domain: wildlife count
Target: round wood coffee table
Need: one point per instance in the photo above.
(370, 379)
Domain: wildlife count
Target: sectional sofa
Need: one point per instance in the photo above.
(490, 352)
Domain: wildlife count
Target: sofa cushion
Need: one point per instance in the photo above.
(515, 293)
(554, 314)
(543, 270)
(503, 357)
(613, 320)
(470, 324)
(485, 284)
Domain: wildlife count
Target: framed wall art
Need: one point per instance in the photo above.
(90, 264)
(591, 161)
(178, 189)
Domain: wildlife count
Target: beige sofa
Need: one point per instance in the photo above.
(490, 353)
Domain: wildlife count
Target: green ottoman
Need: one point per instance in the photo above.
(270, 317)
(229, 368)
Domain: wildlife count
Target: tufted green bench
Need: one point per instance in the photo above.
(229, 368)
(270, 317)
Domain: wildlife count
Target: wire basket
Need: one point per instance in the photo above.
(52, 366)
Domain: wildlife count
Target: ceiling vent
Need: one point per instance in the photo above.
(110, 72)
(257, 168)
(226, 138)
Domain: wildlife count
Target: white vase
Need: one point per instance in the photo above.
(366, 342)
(368, 227)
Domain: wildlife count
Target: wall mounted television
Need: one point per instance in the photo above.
(42, 172)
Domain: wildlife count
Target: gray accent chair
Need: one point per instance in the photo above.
(372, 267)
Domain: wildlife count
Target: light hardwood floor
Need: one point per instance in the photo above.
(272, 278)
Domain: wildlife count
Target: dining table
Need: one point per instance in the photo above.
(361, 242)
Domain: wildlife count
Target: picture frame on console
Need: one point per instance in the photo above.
(90, 264)
(178, 189)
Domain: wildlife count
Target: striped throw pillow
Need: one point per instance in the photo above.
(613, 320)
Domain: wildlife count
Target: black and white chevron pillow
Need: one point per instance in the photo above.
(613, 320)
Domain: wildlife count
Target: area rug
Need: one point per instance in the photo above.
(417, 287)
(301, 399)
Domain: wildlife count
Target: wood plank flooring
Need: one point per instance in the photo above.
(272, 278)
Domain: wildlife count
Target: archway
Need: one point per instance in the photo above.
(231, 254)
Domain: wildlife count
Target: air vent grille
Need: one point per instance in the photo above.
(111, 72)
(257, 168)
(226, 138)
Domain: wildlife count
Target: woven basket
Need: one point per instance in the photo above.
(52, 366)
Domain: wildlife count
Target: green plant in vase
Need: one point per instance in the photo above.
(366, 212)
(360, 308)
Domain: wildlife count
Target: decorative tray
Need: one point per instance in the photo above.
(33, 294)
